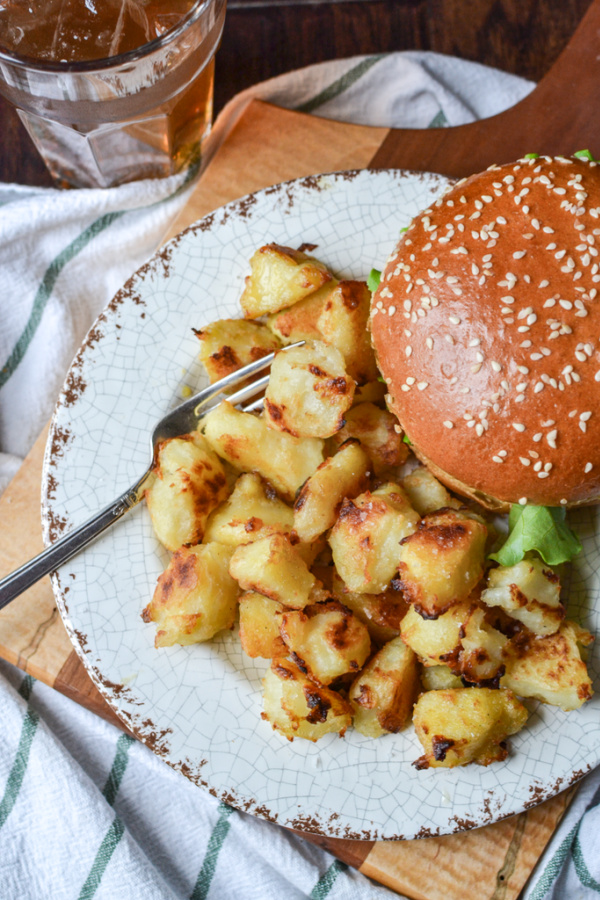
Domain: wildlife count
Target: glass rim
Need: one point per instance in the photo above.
(110, 62)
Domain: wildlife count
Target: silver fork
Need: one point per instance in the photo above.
(181, 420)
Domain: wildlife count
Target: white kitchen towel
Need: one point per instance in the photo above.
(85, 811)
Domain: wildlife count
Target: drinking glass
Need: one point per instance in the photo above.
(143, 113)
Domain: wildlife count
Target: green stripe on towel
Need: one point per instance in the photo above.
(553, 868)
(342, 84)
(583, 873)
(326, 882)
(17, 773)
(215, 843)
(116, 830)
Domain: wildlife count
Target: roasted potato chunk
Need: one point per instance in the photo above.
(252, 511)
(344, 323)
(439, 678)
(229, 344)
(309, 391)
(340, 477)
(246, 442)
(190, 482)
(463, 725)
(365, 539)
(426, 493)
(373, 392)
(528, 591)
(299, 322)
(549, 668)
(259, 626)
(279, 277)
(297, 707)
(273, 567)
(442, 561)
(326, 640)
(436, 641)
(381, 613)
(379, 433)
(481, 658)
(195, 596)
(382, 696)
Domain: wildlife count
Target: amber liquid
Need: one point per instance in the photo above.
(137, 119)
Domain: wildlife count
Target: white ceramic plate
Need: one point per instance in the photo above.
(199, 707)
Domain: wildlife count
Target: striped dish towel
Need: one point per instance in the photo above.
(84, 810)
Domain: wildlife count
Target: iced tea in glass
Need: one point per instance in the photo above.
(111, 90)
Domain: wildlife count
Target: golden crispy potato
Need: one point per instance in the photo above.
(528, 591)
(426, 493)
(463, 725)
(373, 392)
(195, 596)
(299, 322)
(250, 445)
(365, 539)
(340, 477)
(280, 277)
(190, 482)
(326, 640)
(549, 668)
(273, 567)
(436, 641)
(297, 707)
(381, 613)
(252, 511)
(379, 433)
(481, 658)
(441, 562)
(439, 678)
(229, 344)
(309, 391)
(259, 626)
(344, 323)
(382, 696)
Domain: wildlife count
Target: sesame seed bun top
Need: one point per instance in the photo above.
(486, 325)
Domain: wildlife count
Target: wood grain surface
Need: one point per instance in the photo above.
(264, 38)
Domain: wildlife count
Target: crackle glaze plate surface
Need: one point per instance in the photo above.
(199, 707)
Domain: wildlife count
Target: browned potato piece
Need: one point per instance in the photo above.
(273, 567)
(326, 640)
(379, 433)
(365, 539)
(299, 322)
(280, 277)
(550, 668)
(439, 678)
(481, 658)
(373, 392)
(341, 476)
(441, 562)
(382, 696)
(259, 626)
(195, 596)
(190, 482)
(381, 613)
(252, 511)
(250, 445)
(229, 344)
(436, 641)
(528, 591)
(463, 725)
(309, 391)
(426, 493)
(344, 323)
(297, 707)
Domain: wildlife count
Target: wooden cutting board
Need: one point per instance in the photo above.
(267, 145)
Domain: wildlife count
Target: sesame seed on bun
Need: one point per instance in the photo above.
(486, 325)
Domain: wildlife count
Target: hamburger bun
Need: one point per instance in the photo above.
(486, 326)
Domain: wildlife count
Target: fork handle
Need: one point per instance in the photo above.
(50, 560)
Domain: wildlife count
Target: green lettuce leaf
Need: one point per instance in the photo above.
(373, 280)
(542, 529)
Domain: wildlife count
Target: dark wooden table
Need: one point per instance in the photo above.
(264, 38)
